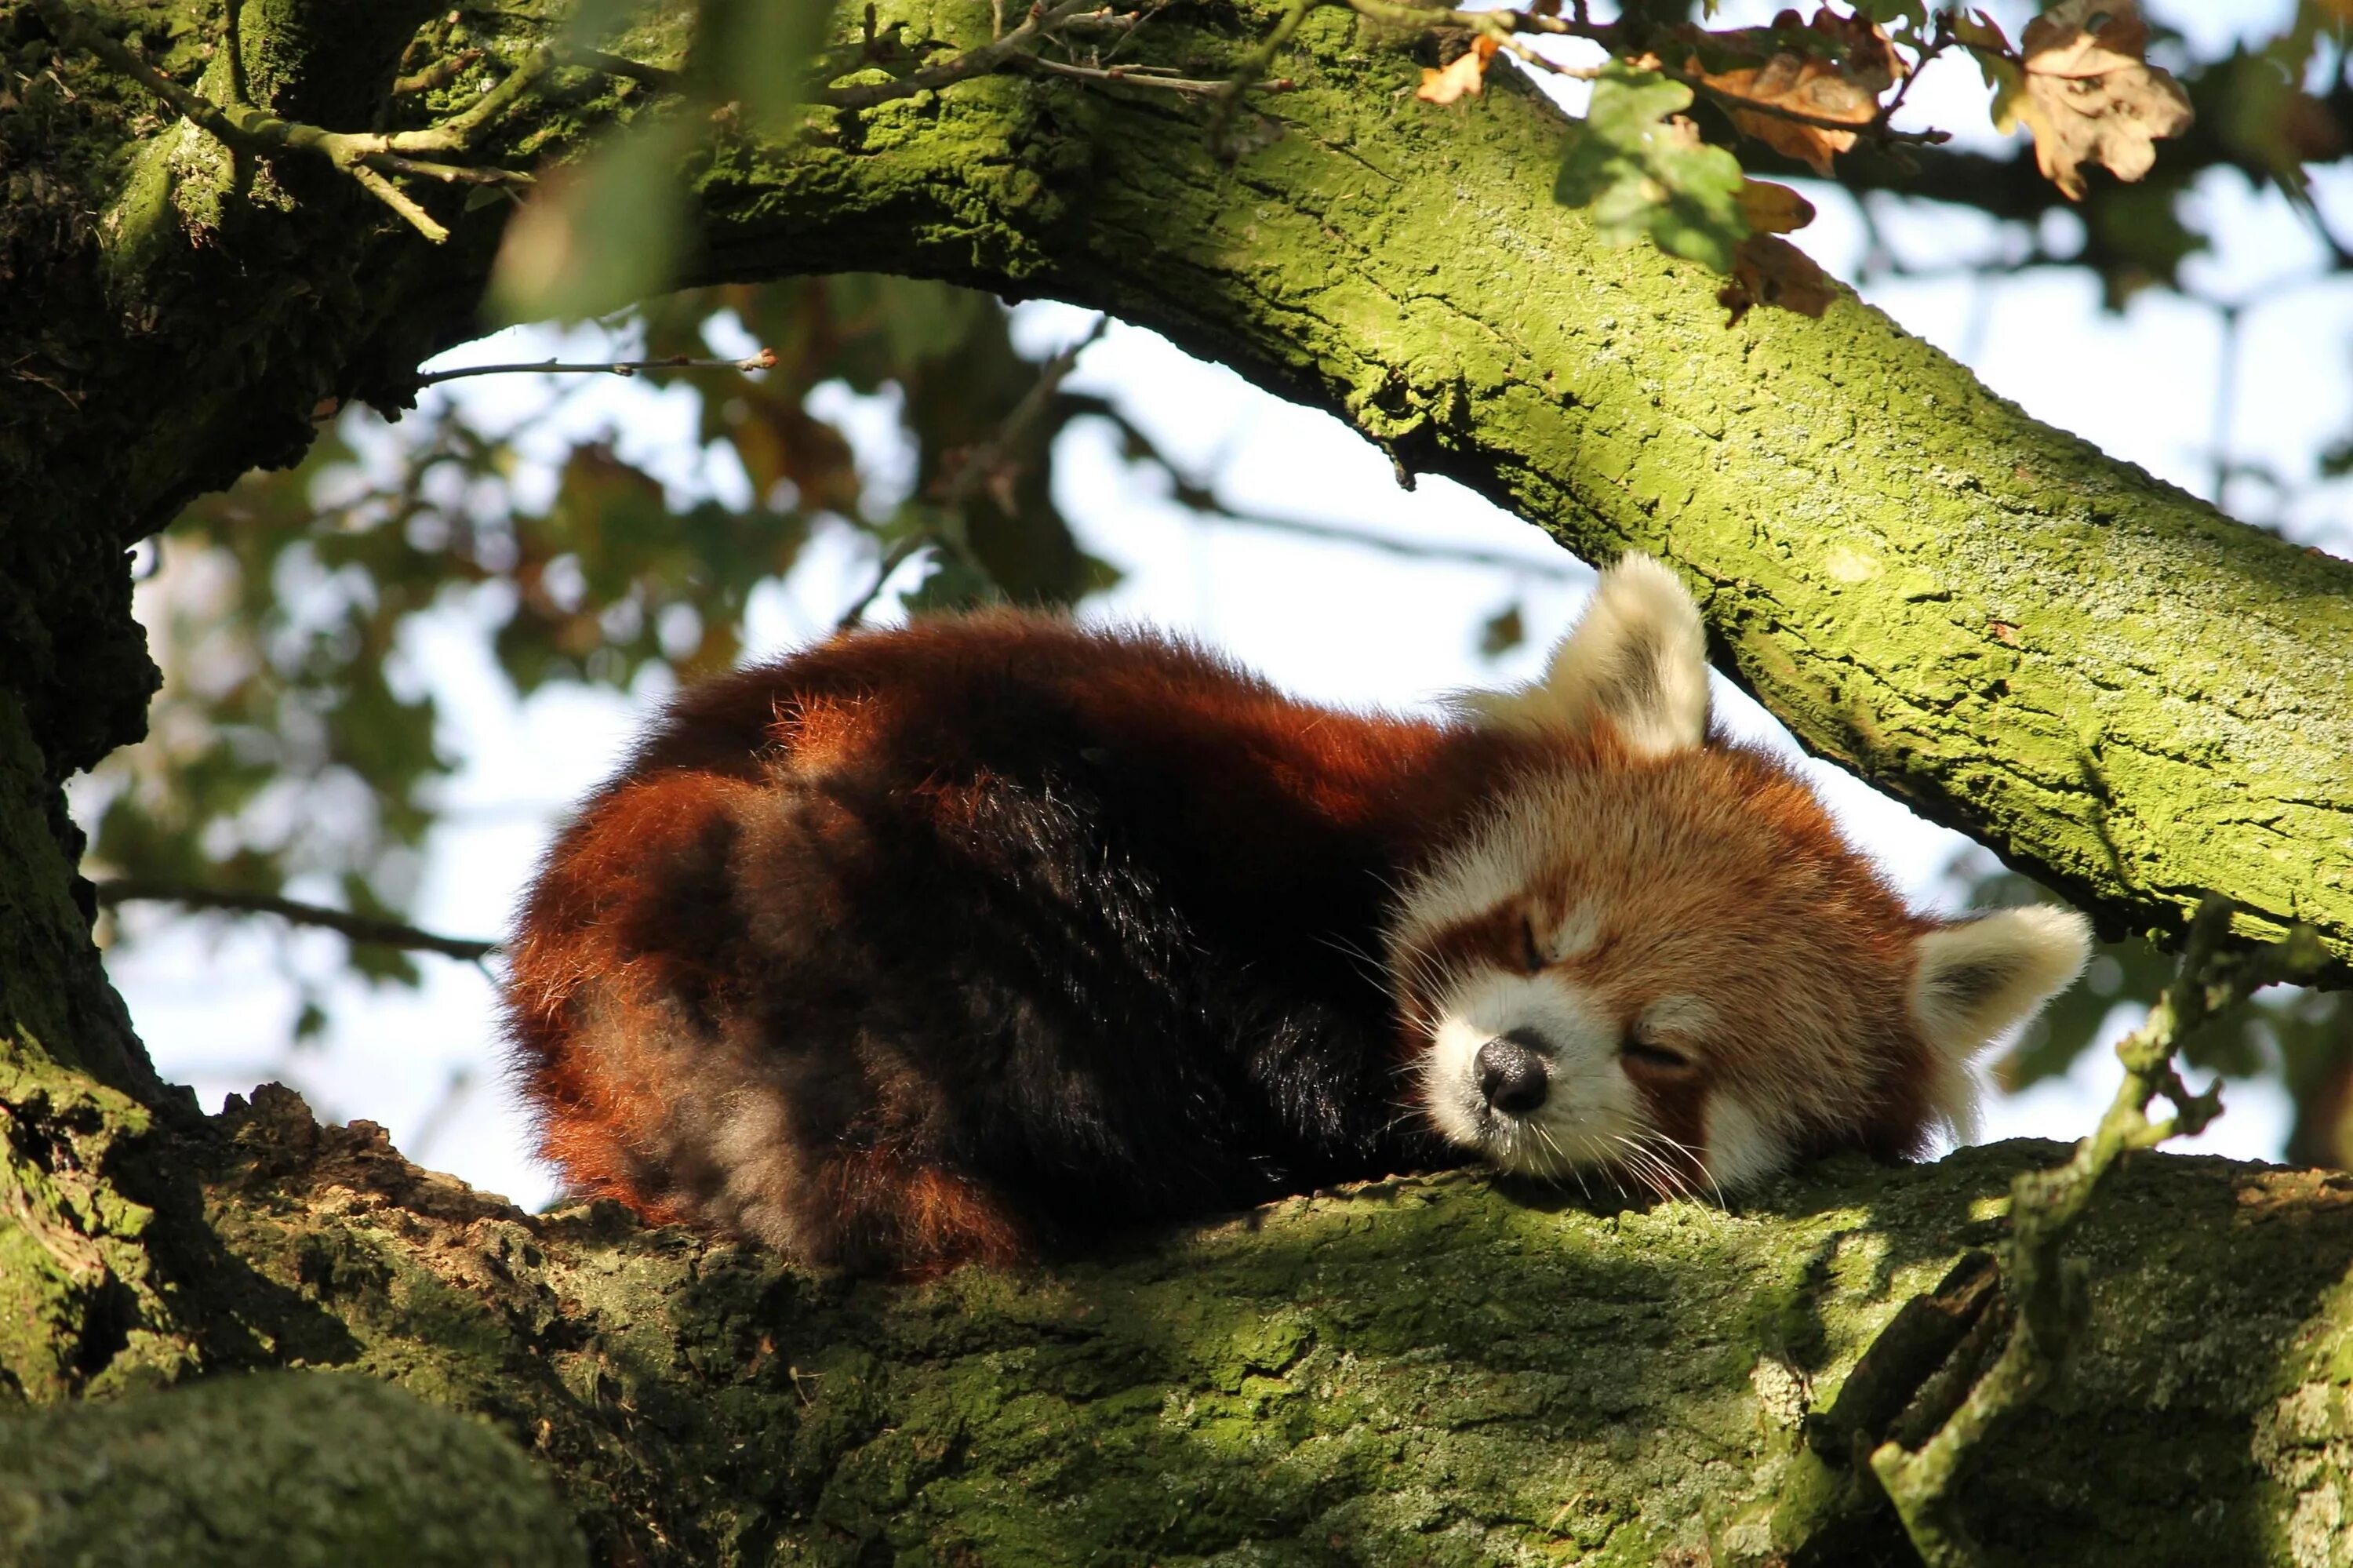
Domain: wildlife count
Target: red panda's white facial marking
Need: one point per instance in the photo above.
(1656, 957)
(1524, 1068)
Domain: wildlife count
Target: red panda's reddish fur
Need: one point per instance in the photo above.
(1280, 804)
(982, 936)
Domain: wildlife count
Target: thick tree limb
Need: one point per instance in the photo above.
(1558, 1383)
(2101, 677)
(2092, 672)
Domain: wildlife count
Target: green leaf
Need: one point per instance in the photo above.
(1886, 13)
(1502, 632)
(758, 53)
(1642, 173)
(602, 234)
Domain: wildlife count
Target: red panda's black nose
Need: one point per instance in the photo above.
(1513, 1076)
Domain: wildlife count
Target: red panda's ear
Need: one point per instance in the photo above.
(1976, 978)
(1636, 658)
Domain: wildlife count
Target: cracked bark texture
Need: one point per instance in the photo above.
(2120, 689)
(1558, 1383)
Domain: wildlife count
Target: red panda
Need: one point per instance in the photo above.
(985, 935)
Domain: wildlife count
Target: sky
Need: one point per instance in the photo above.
(1345, 625)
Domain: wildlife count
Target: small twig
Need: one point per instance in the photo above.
(1876, 127)
(1606, 33)
(366, 156)
(764, 360)
(392, 197)
(356, 927)
(660, 78)
(980, 460)
(1254, 68)
(456, 133)
(448, 174)
(897, 555)
(977, 464)
(440, 73)
(1527, 54)
(2044, 1292)
(997, 55)
(1389, 544)
(1146, 75)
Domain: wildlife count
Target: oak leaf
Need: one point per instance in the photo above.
(1840, 80)
(1468, 74)
(2088, 95)
(1766, 269)
(1773, 208)
(1640, 167)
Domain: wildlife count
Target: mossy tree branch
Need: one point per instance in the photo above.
(2097, 676)
(1557, 1383)
(2043, 1288)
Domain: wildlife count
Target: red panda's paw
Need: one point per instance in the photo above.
(874, 1211)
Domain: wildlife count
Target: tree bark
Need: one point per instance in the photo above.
(2117, 688)
(1424, 1370)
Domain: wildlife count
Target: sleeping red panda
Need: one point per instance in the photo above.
(982, 936)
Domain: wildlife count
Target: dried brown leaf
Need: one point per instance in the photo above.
(1467, 75)
(1768, 270)
(1842, 83)
(2091, 97)
(1772, 208)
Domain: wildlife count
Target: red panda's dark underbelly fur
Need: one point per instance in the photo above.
(979, 936)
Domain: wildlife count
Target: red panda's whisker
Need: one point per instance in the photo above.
(1660, 1140)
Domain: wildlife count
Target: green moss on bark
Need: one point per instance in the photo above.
(2102, 677)
(2098, 676)
(1419, 1371)
(293, 1469)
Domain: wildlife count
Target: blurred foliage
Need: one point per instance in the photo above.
(289, 754)
(2301, 1036)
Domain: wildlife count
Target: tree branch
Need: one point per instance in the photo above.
(1370, 1366)
(2102, 678)
(764, 360)
(2044, 1294)
(356, 927)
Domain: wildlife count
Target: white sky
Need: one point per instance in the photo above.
(1341, 625)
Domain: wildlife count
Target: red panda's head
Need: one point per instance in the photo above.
(1654, 956)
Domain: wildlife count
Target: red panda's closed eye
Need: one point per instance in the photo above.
(1650, 1056)
(1532, 952)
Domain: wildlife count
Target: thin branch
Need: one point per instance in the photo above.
(764, 360)
(898, 556)
(457, 133)
(1875, 128)
(1389, 544)
(356, 927)
(392, 197)
(1146, 75)
(449, 174)
(977, 464)
(368, 157)
(2043, 1290)
(440, 73)
(1252, 71)
(1606, 33)
(660, 78)
(981, 60)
